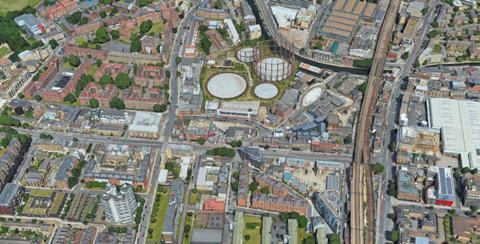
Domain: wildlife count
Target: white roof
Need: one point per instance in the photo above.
(284, 15)
(232, 30)
(202, 176)
(146, 122)
(162, 176)
(254, 28)
(459, 121)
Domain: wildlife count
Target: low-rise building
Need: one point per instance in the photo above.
(145, 125)
(465, 227)
(10, 197)
(470, 185)
(246, 109)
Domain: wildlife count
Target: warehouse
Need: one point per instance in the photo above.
(459, 122)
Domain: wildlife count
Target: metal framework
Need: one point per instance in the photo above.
(273, 62)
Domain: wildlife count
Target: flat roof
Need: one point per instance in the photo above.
(459, 122)
(146, 122)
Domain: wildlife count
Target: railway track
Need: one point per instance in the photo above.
(361, 193)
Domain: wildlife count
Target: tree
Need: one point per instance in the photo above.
(178, 60)
(247, 237)
(38, 98)
(105, 80)
(135, 45)
(378, 168)
(218, 4)
(201, 140)
(405, 55)
(74, 61)
(115, 34)
(234, 186)
(93, 103)
(363, 87)
(253, 186)
(101, 35)
(265, 190)
(302, 221)
(159, 108)
(117, 103)
(123, 81)
(333, 238)
(362, 63)
(103, 15)
(74, 18)
(83, 21)
(465, 170)
(53, 43)
(70, 98)
(142, 3)
(394, 235)
(347, 140)
(84, 80)
(146, 26)
(46, 136)
(424, 11)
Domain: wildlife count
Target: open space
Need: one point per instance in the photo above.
(159, 210)
(253, 233)
(12, 5)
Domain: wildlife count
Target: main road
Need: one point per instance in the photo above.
(361, 183)
(169, 124)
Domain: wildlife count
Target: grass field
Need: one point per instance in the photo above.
(12, 5)
(255, 235)
(4, 51)
(161, 209)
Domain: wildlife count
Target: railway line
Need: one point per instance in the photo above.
(361, 193)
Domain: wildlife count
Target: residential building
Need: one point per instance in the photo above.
(444, 192)
(102, 94)
(280, 204)
(327, 203)
(470, 193)
(10, 198)
(119, 204)
(145, 99)
(275, 187)
(213, 205)
(172, 217)
(232, 30)
(292, 226)
(61, 8)
(465, 227)
(416, 221)
(406, 185)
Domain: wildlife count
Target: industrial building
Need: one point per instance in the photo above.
(459, 122)
(247, 109)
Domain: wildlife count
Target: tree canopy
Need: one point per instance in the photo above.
(102, 35)
(105, 80)
(74, 61)
(93, 103)
(146, 26)
(117, 103)
(123, 81)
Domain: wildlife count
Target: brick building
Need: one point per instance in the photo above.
(61, 8)
(276, 188)
(58, 95)
(280, 204)
(136, 98)
(85, 52)
(147, 75)
(45, 77)
(102, 94)
(110, 69)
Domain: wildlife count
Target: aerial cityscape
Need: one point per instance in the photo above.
(239, 121)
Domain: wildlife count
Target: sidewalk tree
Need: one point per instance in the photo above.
(378, 168)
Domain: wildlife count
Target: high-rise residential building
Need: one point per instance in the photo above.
(119, 204)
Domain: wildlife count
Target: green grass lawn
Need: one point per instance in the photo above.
(4, 51)
(157, 28)
(186, 235)
(194, 198)
(255, 234)
(12, 5)
(302, 234)
(160, 216)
